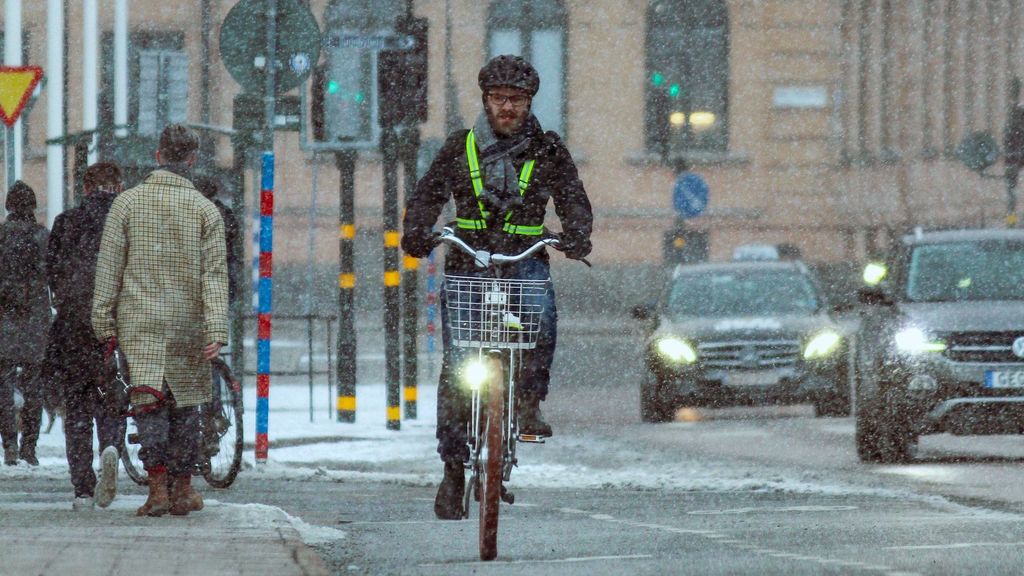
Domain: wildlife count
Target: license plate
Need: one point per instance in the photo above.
(1004, 379)
(754, 378)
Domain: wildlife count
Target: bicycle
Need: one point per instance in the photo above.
(221, 433)
(498, 318)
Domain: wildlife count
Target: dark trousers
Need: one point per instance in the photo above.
(453, 399)
(169, 437)
(75, 361)
(29, 382)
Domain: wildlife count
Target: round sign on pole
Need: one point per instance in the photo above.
(690, 195)
(243, 42)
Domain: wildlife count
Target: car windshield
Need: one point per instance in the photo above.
(742, 293)
(963, 271)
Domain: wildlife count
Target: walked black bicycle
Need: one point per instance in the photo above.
(221, 434)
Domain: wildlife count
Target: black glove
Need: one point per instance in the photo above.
(575, 247)
(418, 244)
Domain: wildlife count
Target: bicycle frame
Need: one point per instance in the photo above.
(497, 318)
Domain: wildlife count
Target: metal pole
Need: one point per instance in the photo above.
(54, 109)
(1012, 170)
(266, 241)
(90, 73)
(330, 368)
(9, 148)
(12, 57)
(240, 303)
(121, 69)
(410, 287)
(346, 343)
(392, 277)
(309, 367)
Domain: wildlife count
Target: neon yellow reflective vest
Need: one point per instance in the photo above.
(478, 187)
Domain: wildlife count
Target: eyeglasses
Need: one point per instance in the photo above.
(499, 100)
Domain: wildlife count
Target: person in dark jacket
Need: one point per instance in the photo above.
(24, 322)
(74, 356)
(500, 175)
(210, 188)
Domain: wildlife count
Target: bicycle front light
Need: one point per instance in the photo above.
(913, 340)
(822, 345)
(676, 350)
(474, 373)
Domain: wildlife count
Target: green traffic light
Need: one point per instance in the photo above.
(332, 87)
(657, 79)
(359, 97)
(674, 90)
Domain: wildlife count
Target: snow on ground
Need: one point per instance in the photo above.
(324, 450)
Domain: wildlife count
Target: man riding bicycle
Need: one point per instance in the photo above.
(500, 175)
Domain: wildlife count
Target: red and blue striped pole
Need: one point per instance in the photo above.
(265, 306)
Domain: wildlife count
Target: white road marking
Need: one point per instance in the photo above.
(752, 548)
(550, 561)
(954, 545)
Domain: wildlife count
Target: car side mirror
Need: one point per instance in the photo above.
(873, 296)
(643, 312)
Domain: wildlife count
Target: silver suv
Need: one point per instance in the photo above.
(941, 342)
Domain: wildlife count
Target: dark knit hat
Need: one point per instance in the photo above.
(21, 198)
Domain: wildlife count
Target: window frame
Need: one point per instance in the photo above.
(525, 24)
(715, 11)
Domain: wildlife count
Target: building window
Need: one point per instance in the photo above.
(535, 30)
(687, 76)
(157, 82)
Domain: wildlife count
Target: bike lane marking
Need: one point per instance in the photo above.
(728, 540)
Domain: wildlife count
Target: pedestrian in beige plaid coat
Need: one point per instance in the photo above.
(162, 291)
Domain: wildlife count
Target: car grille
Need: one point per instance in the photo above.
(749, 354)
(982, 347)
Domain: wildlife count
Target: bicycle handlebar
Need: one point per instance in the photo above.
(483, 258)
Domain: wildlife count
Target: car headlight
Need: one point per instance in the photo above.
(913, 340)
(474, 373)
(874, 272)
(822, 344)
(676, 350)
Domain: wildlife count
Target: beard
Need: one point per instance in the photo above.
(506, 122)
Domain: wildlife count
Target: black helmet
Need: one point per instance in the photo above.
(508, 70)
(21, 198)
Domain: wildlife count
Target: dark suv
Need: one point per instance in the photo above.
(941, 342)
(742, 332)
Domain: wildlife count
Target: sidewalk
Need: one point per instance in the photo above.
(41, 535)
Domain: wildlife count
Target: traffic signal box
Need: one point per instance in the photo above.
(402, 77)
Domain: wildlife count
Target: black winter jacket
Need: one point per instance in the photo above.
(554, 177)
(71, 256)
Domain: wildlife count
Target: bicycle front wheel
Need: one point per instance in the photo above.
(493, 461)
(222, 437)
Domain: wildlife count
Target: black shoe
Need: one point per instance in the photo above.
(10, 456)
(448, 503)
(530, 420)
(30, 458)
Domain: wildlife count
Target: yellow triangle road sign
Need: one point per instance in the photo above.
(16, 86)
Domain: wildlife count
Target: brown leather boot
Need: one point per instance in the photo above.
(157, 504)
(184, 498)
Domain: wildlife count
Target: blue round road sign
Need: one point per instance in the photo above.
(690, 195)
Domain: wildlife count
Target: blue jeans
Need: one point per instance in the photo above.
(453, 401)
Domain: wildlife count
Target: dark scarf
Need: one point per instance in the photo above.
(497, 152)
(500, 178)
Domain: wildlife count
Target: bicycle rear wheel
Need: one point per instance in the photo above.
(222, 437)
(493, 463)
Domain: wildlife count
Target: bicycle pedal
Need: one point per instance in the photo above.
(531, 438)
(506, 496)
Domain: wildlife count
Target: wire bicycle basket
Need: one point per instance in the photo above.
(494, 312)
